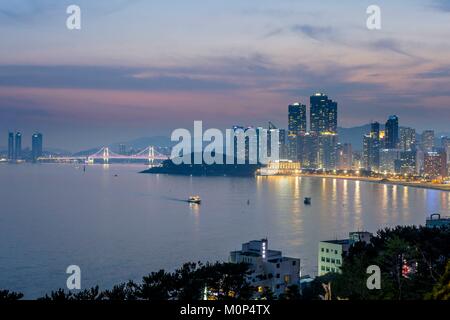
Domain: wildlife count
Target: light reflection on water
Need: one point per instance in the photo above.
(119, 225)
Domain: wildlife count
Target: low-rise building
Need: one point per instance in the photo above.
(332, 252)
(269, 269)
(436, 221)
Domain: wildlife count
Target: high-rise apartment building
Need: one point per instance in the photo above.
(18, 146)
(388, 160)
(407, 139)
(327, 150)
(344, 156)
(36, 146)
(427, 140)
(391, 133)
(323, 115)
(371, 148)
(308, 150)
(296, 126)
(11, 153)
(435, 164)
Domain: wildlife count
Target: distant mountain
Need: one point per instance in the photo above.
(144, 142)
(354, 136)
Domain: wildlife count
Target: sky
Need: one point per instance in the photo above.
(146, 67)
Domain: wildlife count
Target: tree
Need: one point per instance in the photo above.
(189, 285)
(267, 294)
(60, 295)
(6, 295)
(292, 293)
(121, 292)
(157, 286)
(411, 260)
(441, 290)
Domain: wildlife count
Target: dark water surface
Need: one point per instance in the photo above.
(123, 227)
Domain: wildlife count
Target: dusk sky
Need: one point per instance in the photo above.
(144, 68)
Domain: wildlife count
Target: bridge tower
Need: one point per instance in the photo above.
(106, 155)
(151, 155)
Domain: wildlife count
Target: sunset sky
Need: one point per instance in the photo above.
(144, 68)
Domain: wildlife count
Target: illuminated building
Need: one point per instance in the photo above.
(371, 148)
(11, 146)
(427, 141)
(327, 150)
(407, 138)
(344, 156)
(308, 150)
(268, 268)
(388, 158)
(408, 162)
(392, 133)
(296, 126)
(445, 141)
(281, 168)
(435, 164)
(18, 146)
(323, 115)
(36, 146)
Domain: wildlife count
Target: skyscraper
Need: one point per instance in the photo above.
(308, 150)
(297, 118)
(445, 141)
(375, 130)
(392, 133)
(296, 125)
(407, 139)
(435, 164)
(388, 158)
(283, 145)
(427, 140)
(11, 146)
(371, 148)
(408, 164)
(344, 156)
(18, 146)
(36, 146)
(327, 150)
(323, 115)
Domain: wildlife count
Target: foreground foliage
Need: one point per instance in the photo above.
(414, 264)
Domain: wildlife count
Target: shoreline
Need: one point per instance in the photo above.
(422, 185)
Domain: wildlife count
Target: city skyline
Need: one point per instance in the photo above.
(83, 89)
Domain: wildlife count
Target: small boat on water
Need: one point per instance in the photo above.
(195, 199)
(307, 200)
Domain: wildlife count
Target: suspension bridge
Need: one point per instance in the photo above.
(105, 154)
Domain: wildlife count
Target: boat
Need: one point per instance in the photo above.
(195, 199)
(307, 200)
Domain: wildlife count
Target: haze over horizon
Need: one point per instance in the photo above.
(139, 69)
